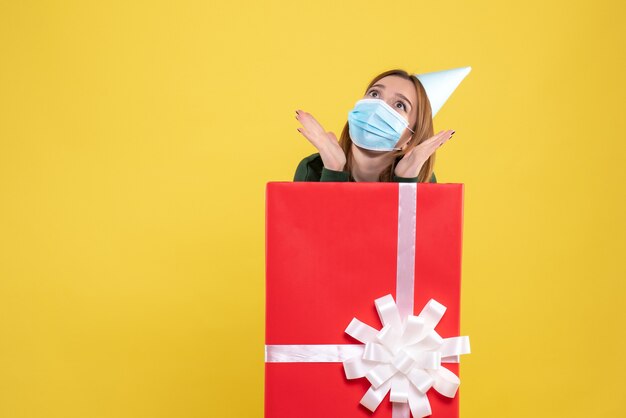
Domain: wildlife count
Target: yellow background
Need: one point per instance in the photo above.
(137, 139)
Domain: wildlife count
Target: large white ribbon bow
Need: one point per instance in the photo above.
(405, 357)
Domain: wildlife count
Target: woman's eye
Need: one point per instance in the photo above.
(403, 106)
(372, 92)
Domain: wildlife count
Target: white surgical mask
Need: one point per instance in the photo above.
(375, 125)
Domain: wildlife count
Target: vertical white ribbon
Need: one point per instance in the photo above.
(405, 270)
(405, 276)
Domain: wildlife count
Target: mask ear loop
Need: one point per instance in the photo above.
(413, 132)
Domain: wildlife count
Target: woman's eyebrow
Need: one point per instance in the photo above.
(397, 94)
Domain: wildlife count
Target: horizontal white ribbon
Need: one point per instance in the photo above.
(321, 353)
(311, 353)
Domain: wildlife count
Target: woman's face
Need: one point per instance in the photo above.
(401, 96)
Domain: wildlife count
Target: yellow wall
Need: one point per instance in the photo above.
(136, 141)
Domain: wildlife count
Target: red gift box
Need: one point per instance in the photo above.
(332, 249)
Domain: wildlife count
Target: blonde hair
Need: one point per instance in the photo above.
(423, 130)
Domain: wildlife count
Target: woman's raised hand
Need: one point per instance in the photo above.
(412, 162)
(326, 143)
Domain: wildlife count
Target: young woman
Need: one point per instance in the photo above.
(388, 136)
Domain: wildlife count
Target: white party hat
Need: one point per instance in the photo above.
(439, 85)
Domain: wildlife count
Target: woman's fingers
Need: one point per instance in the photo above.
(309, 122)
(420, 153)
(446, 137)
(438, 139)
(307, 135)
(306, 125)
(440, 136)
(312, 130)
